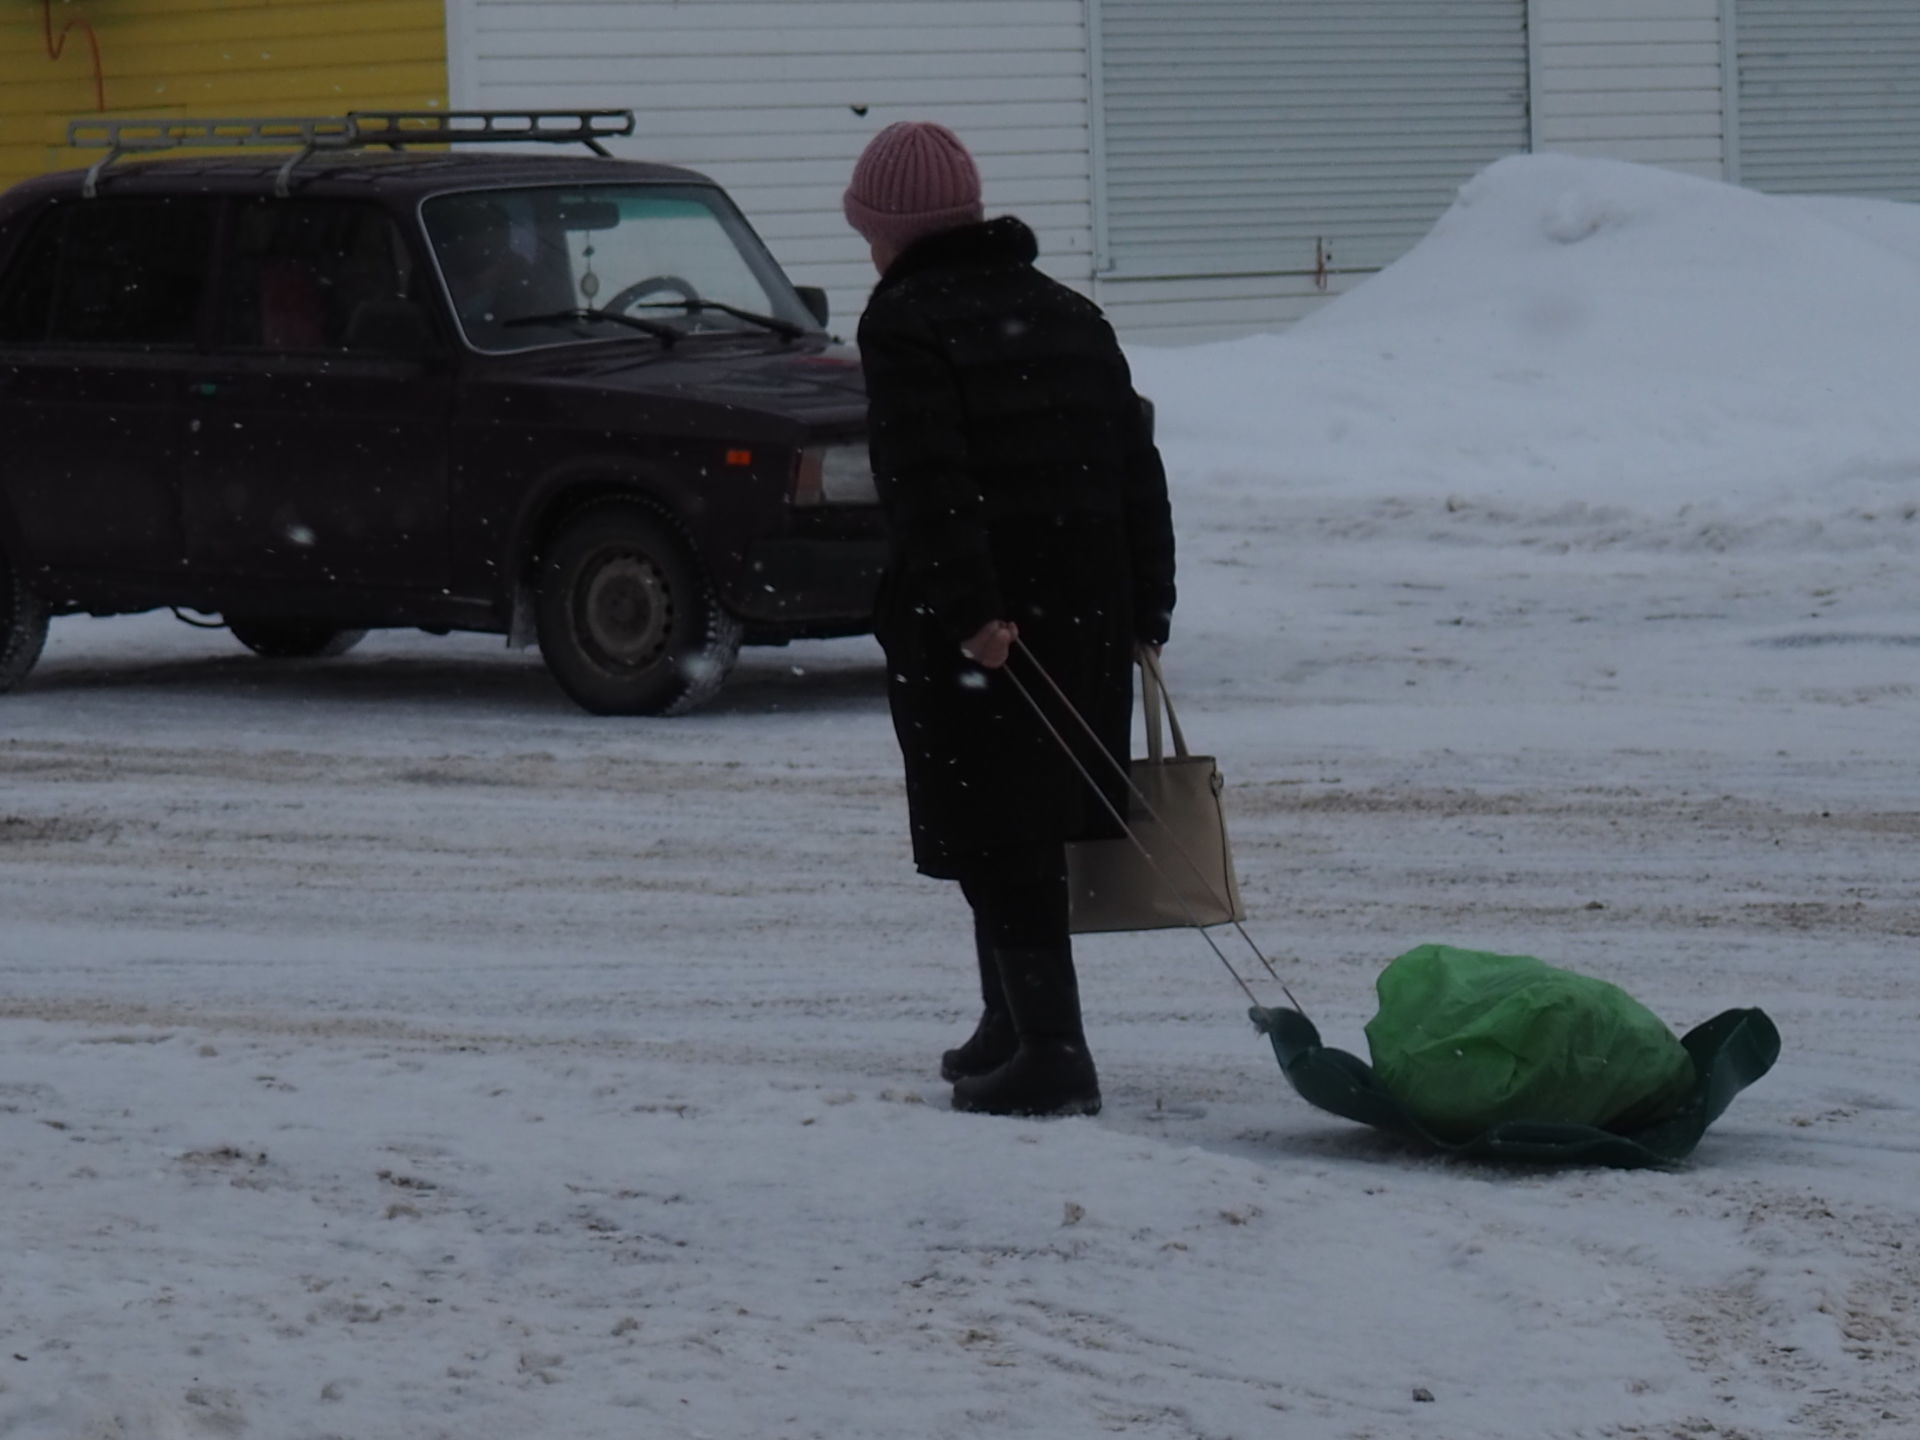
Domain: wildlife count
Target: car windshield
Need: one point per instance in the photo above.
(531, 267)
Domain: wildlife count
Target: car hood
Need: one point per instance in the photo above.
(813, 384)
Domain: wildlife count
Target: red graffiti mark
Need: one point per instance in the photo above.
(57, 44)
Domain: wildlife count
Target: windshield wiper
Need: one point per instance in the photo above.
(562, 317)
(785, 329)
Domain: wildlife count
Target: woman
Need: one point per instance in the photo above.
(1031, 538)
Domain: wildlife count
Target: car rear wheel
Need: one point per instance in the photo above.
(293, 639)
(23, 624)
(628, 624)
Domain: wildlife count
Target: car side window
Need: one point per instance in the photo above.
(320, 275)
(128, 271)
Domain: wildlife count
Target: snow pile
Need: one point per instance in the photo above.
(1616, 351)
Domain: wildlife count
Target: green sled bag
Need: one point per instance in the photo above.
(1467, 1041)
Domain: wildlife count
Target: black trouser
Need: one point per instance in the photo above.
(1021, 905)
(1026, 956)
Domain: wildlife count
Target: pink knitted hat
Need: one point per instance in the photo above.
(914, 179)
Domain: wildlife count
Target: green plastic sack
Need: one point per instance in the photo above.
(1467, 1041)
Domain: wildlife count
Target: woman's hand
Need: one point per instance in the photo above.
(990, 645)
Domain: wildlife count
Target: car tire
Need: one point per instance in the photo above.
(628, 623)
(23, 624)
(293, 639)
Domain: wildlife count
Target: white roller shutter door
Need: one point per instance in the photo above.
(1829, 97)
(1281, 136)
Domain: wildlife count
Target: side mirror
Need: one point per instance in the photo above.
(391, 327)
(815, 299)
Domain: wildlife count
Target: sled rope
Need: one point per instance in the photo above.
(1193, 920)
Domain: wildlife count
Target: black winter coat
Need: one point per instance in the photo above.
(1020, 482)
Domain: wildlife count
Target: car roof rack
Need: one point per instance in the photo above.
(356, 130)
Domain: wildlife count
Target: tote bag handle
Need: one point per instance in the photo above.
(1154, 698)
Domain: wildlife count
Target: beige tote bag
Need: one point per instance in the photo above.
(1181, 824)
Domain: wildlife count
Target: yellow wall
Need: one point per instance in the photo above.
(207, 57)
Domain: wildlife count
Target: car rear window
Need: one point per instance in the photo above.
(116, 271)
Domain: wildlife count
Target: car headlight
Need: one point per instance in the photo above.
(834, 475)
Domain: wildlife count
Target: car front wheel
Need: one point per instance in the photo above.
(293, 639)
(23, 624)
(628, 625)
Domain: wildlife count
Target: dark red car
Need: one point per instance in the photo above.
(358, 385)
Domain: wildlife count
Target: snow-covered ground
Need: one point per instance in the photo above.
(389, 1050)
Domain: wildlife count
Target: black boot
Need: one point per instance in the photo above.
(1050, 1072)
(992, 1043)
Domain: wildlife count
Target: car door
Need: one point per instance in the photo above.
(316, 429)
(98, 314)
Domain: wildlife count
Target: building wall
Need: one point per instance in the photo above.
(1630, 79)
(205, 57)
(1347, 126)
(1212, 307)
(776, 98)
